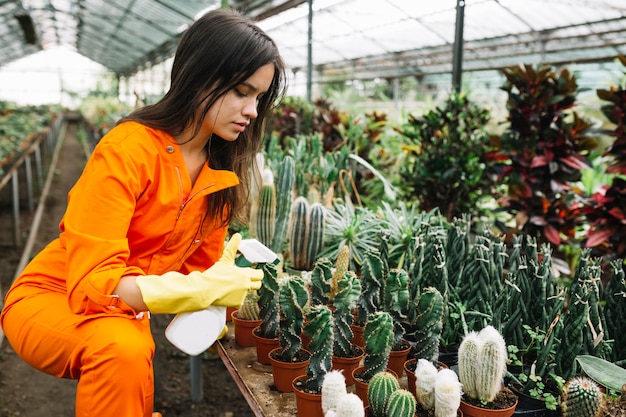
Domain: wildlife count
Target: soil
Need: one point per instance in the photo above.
(26, 392)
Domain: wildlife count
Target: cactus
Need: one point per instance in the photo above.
(333, 390)
(372, 281)
(284, 193)
(315, 242)
(293, 297)
(344, 303)
(298, 236)
(350, 406)
(342, 264)
(447, 393)
(378, 337)
(396, 302)
(482, 364)
(266, 211)
(427, 325)
(321, 281)
(401, 404)
(256, 176)
(582, 398)
(615, 309)
(425, 377)
(269, 311)
(319, 329)
(249, 309)
(380, 388)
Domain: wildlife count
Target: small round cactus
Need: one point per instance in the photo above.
(401, 403)
(380, 387)
(582, 397)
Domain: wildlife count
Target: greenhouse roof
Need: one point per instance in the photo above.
(351, 38)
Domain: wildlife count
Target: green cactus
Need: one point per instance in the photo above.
(381, 386)
(269, 310)
(427, 325)
(293, 297)
(284, 194)
(482, 364)
(321, 281)
(299, 233)
(315, 242)
(615, 309)
(342, 264)
(249, 309)
(401, 404)
(372, 281)
(378, 337)
(396, 303)
(349, 290)
(266, 211)
(582, 398)
(319, 329)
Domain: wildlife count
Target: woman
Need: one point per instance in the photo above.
(146, 222)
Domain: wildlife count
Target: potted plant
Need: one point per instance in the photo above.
(437, 391)
(245, 319)
(370, 299)
(387, 399)
(482, 365)
(308, 387)
(336, 400)
(306, 235)
(266, 333)
(290, 359)
(396, 302)
(582, 397)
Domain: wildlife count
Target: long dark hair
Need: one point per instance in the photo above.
(217, 53)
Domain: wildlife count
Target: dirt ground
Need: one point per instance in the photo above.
(26, 392)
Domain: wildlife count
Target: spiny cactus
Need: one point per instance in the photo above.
(342, 264)
(427, 325)
(319, 329)
(349, 290)
(482, 363)
(333, 390)
(249, 309)
(401, 404)
(350, 406)
(582, 398)
(321, 281)
(372, 281)
(269, 310)
(315, 243)
(448, 393)
(396, 302)
(381, 386)
(615, 309)
(284, 195)
(293, 297)
(425, 377)
(378, 337)
(266, 211)
(298, 236)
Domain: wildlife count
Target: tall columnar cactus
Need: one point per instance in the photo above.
(293, 297)
(249, 309)
(615, 309)
(448, 392)
(256, 176)
(482, 363)
(319, 329)
(269, 309)
(342, 264)
(284, 195)
(381, 386)
(401, 404)
(582, 398)
(266, 211)
(477, 288)
(427, 325)
(349, 290)
(299, 233)
(378, 337)
(372, 281)
(315, 243)
(396, 302)
(425, 378)
(321, 281)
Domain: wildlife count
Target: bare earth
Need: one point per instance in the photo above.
(26, 392)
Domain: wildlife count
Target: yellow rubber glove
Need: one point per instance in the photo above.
(223, 284)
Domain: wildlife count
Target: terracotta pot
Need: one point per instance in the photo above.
(409, 370)
(357, 335)
(285, 372)
(243, 330)
(264, 346)
(397, 359)
(473, 411)
(360, 386)
(347, 365)
(308, 405)
(229, 312)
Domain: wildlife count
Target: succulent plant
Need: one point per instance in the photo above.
(342, 265)
(378, 337)
(319, 329)
(401, 403)
(425, 378)
(249, 309)
(582, 398)
(381, 386)
(348, 292)
(336, 401)
(321, 281)
(284, 196)
(372, 281)
(266, 211)
(427, 325)
(269, 308)
(482, 363)
(293, 297)
(448, 393)
(396, 302)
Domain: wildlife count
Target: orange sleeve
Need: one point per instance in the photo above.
(208, 253)
(94, 229)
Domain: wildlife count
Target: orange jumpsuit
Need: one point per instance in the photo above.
(133, 211)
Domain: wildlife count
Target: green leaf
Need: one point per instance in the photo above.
(603, 372)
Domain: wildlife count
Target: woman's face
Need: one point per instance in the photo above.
(231, 114)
